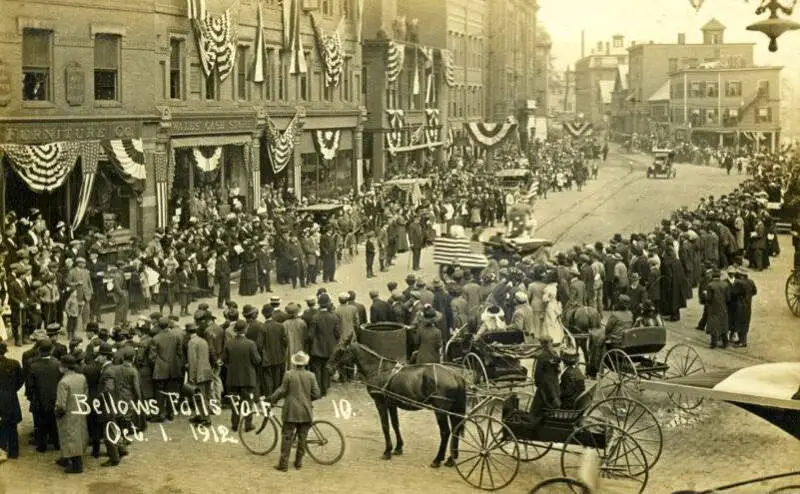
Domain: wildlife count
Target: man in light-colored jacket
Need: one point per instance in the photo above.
(200, 372)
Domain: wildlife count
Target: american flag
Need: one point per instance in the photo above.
(468, 254)
(162, 188)
(90, 153)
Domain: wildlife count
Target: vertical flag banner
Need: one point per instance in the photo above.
(258, 69)
(162, 188)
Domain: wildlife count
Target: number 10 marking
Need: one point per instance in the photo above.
(342, 409)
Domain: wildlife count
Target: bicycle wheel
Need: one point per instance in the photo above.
(262, 439)
(325, 443)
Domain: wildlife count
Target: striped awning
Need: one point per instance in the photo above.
(461, 251)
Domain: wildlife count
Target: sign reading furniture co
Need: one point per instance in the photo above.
(29, 133)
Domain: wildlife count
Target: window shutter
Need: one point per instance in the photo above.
(36, 48)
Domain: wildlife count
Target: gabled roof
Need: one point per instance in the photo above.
(661, 94)
(606, 90)
(713, 25)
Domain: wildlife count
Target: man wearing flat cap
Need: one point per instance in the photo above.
(310, 312)
(742, 293)
(717, 296)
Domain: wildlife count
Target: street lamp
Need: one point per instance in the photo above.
(774, 26)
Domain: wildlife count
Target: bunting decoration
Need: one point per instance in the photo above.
(281, 145)
(427, 66)
(489, 135)
(578, 129)
(162, 189)
(258, 67)
(297, 59)
(394, 138)
(432, 124)
(43, 167)
(255, 170)
(90, 154)
(449, 67)
(127, 157)
(327, 142)
(207, 163)
(331, 51)
(395, 58)
(753, 135)
(216, 40)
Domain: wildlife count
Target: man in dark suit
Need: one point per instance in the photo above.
(11, 381)
(273, 355)
(362, 310)
(241, 359)
(59, 349)
(380, 311)
(108, 388)
(325, 331)
(310, 312)
(298, 388)
(18, 301)
(256, 332)
(222, 277)
(415, 239)
(166, 353)
(92, 369)
(41, 387)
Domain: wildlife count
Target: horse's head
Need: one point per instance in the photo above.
(344, 355)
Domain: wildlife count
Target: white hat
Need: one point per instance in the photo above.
(300, 358)
(521, 297)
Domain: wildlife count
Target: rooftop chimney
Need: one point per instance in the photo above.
(681, 38)
(599, 46)
(608, 48)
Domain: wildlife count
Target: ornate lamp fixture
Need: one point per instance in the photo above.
(774, 26)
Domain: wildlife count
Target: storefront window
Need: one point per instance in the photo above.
(325, 179)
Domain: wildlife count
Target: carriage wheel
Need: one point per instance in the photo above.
(528, 450)
(793, 293)
(482, 461)
(560, 485)
(683, 361)
(474, 364)
(635, 419)
(619, 454)
(618, 376)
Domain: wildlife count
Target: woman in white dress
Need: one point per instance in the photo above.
(552, 327)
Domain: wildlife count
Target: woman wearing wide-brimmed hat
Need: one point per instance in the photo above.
(298, 389)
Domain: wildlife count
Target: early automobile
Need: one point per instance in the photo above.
(662, 164)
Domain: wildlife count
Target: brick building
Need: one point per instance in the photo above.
(727, 106)
(600, 65)
(132, 71)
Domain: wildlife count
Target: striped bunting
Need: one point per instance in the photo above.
(327, 142)
(417, 136)
(395, 58)
(255, 169)
(90, 154)
(578, 129)
(43, 167)
(489, 135)
(394, 137)
(466, 253)
(216, 40)
(205, 161)
(753, 135)
(432, 124)
(127, 156)
(161, 162)
(281, 145)
(297, 58)
(331, 52)
(449, 67)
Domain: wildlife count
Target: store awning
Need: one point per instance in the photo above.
(205, 141)
(661, 94)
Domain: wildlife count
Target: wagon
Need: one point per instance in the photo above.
(633, 355)
(624, 433)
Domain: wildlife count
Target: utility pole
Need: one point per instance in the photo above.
(566, 88)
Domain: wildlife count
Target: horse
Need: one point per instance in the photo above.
(412, 387)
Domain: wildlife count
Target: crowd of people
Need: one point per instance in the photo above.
(248, 353)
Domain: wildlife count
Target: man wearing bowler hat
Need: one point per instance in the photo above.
(166, 353)
(242, 361)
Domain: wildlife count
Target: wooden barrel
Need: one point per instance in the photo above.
(385, 338)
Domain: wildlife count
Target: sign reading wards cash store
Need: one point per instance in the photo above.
(42, 132)
(216, 126)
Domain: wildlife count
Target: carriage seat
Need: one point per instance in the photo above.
(642, 340)
(504, 337)
(582, 403)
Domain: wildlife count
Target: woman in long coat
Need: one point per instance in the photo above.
(428, 338)
(73, 433)
(674, 288)
(248, 281)
(716, 297)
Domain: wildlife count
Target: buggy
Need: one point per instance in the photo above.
(662, 164)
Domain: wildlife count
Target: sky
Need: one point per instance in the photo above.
(661, 21)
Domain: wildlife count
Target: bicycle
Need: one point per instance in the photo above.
(321, 444)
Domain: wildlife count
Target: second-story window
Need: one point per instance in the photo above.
(241, 73)
(106, 67)
(175, 64)
(712, 91)
(327, 7)
(733, 89)
(36, 64)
